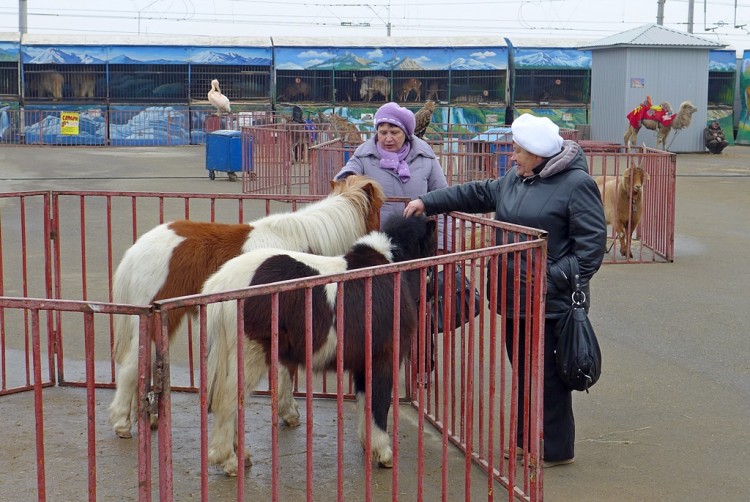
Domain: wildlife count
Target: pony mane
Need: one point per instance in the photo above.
(328, 226)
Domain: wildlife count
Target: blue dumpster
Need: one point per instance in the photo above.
(224, 153)
(500, 141)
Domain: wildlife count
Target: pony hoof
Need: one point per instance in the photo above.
(122, 429)
(153, 420)
(230, 467)
(291, 416)
(248, 460)
(386, 461)
(125, 434)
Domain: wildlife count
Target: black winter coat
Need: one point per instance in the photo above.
(562, 199)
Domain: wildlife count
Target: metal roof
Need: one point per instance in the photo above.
(653, 35)
(161, 40)
(419, 42)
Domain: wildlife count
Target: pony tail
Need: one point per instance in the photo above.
(125, 326)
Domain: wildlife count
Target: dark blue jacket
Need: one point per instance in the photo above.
(562, 199)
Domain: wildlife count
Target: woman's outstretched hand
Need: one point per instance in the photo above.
(414, 208)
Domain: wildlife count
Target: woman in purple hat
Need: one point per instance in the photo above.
(403, 164)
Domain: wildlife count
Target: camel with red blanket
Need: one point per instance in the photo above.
(658, 118)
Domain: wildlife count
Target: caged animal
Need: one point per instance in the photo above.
(423, 119)
(299, 90)
(623, 203)
(400, 239)
(658, 118)
(83, 85)
(411, 85)
(46, 84)
(217, 99)
(174, 259)
(373, 86)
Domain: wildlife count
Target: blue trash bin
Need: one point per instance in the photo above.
(224, 153)
(501, 142)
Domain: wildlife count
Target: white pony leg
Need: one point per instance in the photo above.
(222, 450)
(381, 441)
(288, 409)
(125, 403)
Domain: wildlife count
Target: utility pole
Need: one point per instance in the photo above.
(23, 26)
(660, 12)
(691, 9)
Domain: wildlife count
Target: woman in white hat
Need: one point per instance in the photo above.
(549, 188)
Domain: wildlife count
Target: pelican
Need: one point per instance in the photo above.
(216, 98)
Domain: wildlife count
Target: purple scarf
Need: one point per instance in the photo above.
(395, 161)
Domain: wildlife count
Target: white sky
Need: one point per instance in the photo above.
(577, 19)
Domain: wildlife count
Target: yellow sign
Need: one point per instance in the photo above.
(69, 123)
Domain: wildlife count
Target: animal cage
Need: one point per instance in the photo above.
(721, 86)
(552, 86)
(477, 86)
(450, 423)
(9, 78)
(148, 83)
(296, 86)
(238, 83)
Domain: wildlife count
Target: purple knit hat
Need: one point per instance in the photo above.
(397, 115)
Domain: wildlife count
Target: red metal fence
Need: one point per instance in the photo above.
(59, 251)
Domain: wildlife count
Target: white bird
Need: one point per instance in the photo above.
(216, 98)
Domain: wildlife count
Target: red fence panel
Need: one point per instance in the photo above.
(653, 239)
(468, 397)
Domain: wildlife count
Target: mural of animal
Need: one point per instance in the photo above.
(46, 84)
(217, 99)
(374, 85)
(658, 118)
(299, 90)
(401, 239)
(83, 85)
(622, 197)
(174, 259)
(411, 85)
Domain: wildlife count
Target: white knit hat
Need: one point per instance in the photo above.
(537, 135)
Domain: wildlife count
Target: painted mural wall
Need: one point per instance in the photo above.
(553, 82)
(743, 127)
(9, 57)
(722, 68)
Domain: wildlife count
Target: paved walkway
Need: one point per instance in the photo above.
(668, 419)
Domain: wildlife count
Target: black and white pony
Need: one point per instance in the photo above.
(175, 259)
(400, 239)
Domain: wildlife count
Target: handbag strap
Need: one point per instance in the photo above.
(578, 297)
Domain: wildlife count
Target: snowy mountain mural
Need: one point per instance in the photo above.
(9, 51)
(552, 58)
(471, 64)
(384, 59)
(68, 55)
(722, 60)
(231, 56)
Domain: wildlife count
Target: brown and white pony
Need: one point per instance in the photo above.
(680, 120)
(174, 259)
(623, 203)
(401, 239)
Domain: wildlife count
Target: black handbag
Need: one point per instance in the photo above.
(461, 310)
(579, 359)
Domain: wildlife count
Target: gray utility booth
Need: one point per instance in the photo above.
(654, 61)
